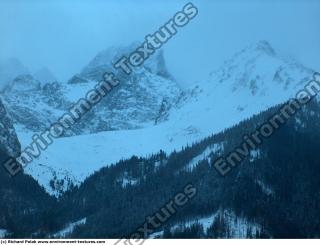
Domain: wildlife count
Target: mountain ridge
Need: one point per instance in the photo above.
(225, 97)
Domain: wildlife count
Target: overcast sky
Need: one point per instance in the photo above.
(65, 35)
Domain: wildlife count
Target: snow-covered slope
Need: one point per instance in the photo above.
(253, 80)
(68, 229)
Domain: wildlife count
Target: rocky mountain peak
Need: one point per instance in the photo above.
(44, 75)
(23, 83)
(9, 69)
(257, 68)
(264, 46)
(105, 59)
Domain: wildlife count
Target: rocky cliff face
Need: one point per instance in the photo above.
(23, 203)
(134, 104)
(31, 106)
(9, 143)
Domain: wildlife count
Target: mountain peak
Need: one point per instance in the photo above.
(261, 48)
(23, 83)
(264, 46)
(258, 69)
(9, 69)
(105, 59)
(44, 75)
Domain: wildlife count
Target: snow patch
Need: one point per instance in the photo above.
(266, 189)
(126, 180)
(254, 155)
(4, 233)
(212, 149)
(69, 229)
(238, 227)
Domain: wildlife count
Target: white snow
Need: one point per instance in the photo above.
(74, 92)
(238, 226)
(3, 233)
(254, 155)
(69, 229)
(127, 180)
(266, 189)
(212, 149)
(206, 222)
(155, 235)
(80, 156)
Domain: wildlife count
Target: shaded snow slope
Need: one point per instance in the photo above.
(69, 229)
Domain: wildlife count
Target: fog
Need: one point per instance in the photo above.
(65, 35)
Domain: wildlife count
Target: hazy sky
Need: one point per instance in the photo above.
(65, 35)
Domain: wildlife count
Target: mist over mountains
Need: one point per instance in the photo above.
(147, 137)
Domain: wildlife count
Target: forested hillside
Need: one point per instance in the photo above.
(277, 189)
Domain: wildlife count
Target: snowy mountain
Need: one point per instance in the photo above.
(139, 98)
(31, 107)
(148, 112)
(112, 167)
(10, 69)
(251, 81)
(35, 104)
(105, 59)
(135, 104)
(45, 76)
(23, 83)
